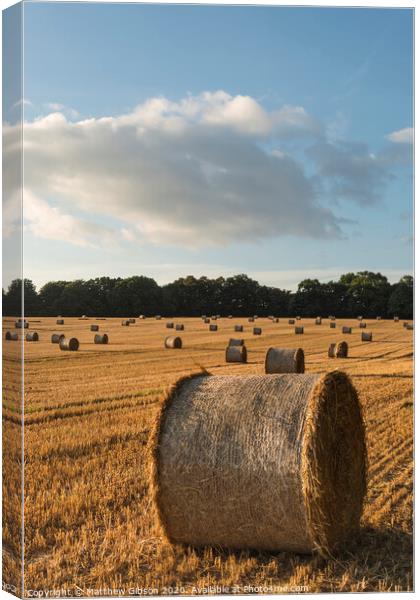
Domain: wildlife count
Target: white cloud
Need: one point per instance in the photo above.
(193, 172)
(22, 102)
(54, 106)
(402, 136)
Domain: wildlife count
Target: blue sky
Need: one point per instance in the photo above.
(175, 140)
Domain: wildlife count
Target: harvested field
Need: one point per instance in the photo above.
(88, 415)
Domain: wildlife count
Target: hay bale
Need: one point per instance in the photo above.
(173, 342)
(342, 350)
(333, 325)
(84, 317)
(275, 320)
(236, 354)
(269, 462)
(21, 324)
(379, 318)
(214, 318)
(285, 360)
(125, 323)
(298, 318)
(179, 327)
(11, 337)
(169, 325)
(212, 327)
(362, 325)
(360, 318)
(292, 321)
(396, 319)
(158, 317)
(236, 342)
(57, 337)
(251, 319)
(32, 337)
(142, 317)
(331, 318)
(410, 326)
(331, 350)
(70, 344)
(257, 331)
(100, 339)
(318, 321)
(346, 330)
(299, 330)
(238, 328)
(366, 336)
(94, 327)
(230, 317)
(207, 320)
(60, 322)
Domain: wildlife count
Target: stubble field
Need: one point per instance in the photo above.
(89, 521)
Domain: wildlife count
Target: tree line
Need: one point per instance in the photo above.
(364, 293)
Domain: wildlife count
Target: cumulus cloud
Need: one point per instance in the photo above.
(193, 172)
(402, 136)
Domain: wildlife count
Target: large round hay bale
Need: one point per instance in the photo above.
(271, 462)
(298, 318)
(346, 330)
(251, 319)
(142, 317)
(285, 360)
(292, 321)
(206, 320)
(169, 325)
(21, 324)
(132, 321)
(11, 336)
(230, 316)
(158, 317)
(125, 323)
(257, 331)
(409, 326)
(100, 339)
(212, 327)
(236, 342)
(299, 330)
(333, 325)
(275, 320)
(396, 319)
(331, 318)
(331, 350)
(32, 337)
(94, 327)
(238, 328)
(318, 321)
(57, 337)
(236, 354)
(179, 327)
(342, 350)
(70, 344)
(214, 317)
(366, 336)
(60, 322)
(173, 342)
(362, 325)
(360, 318)
(379, 318)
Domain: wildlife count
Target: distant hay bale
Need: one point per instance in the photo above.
(396, 319)
(207, 320)
(204, 317)
(292, 321)
(238, 328)
(409, 326)
(379, 318)
(70, 344)
(275, 320)
(362, 325)
(57, 337)
(230, 317)
(32, 337)
(142, 317)
(405, 324)
(257, 331)
(84, 317)
(299, 330)
(236, 354)
(212, 327)
(125, 323)
(132, 321)
(214, 317)
(251, 319)
(360, 318)
(268, 462)
(285, 360)
(331, 350)
(236, 342)
(179, 327)
(366, 336)
(100, 339)
(94, 327)
(169, 325)
(339, 350)
(333, 325)
(158, 317)
(298, 318)
(331, 318)
(318, 321)
(173, 342)
(346, 330)
(21, 324)
(60, 322)
(11, 337)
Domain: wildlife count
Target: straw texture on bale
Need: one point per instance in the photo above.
(100, 339)
(60, 321)
(362, 325)
(332, 325)
(57, 337)
(169, 325)
(270, 462)
(71, 344)
(236, 354)
(285, 360)
(299, 330)
(257, 331)
(179, 327)
(292, 321)
(32, 337)
(346, 330)
(212, 327)
(366, 336)
(173, 342)
(238, 328)
(11, 337)
(94, 327)
(236, 342)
